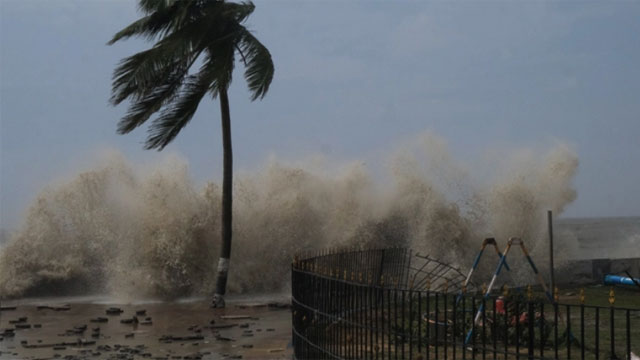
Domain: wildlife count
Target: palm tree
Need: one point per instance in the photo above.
(159, 80)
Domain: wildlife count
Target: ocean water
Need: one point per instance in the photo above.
(600, 237)
(153, 232)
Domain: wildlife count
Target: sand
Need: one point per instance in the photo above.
(75, 328)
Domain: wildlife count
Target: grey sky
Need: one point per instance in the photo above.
(352, 79)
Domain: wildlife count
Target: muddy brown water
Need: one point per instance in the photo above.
(248, 328)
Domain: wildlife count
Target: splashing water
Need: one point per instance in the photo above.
(136, 233)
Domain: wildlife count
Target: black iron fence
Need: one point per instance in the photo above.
(393, 304)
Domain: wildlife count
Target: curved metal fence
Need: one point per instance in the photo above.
(394, 304)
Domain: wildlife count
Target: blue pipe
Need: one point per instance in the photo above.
(620, 280)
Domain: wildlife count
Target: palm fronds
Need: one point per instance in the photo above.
(180, 111)
(259, 66)
(157, 80)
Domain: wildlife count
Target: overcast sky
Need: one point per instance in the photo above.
(352, 79)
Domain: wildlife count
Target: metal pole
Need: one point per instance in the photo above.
(550, 223)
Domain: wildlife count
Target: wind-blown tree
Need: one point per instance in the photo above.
(161, 80)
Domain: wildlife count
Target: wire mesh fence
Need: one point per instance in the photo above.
(393, 304)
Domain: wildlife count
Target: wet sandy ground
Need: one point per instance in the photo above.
(81, 329)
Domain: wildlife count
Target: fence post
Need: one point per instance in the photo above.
(612, 300)
(530, 321)
(551, 269)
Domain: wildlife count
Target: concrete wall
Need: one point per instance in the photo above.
(580, 272)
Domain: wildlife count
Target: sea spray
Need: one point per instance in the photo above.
(141, 233)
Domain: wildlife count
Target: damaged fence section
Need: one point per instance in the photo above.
(394, 304)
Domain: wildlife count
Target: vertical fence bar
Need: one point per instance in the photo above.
(363, 317)
(362, 310)
(330, 319)
(395, 323)
(357, 312)
(351, 337)
(494, 331)
(530, 322)
(345, 317)
(344, 303)
(464, 325)
(582, 331)
(419, 322)
(436, 326)
(484, 328)
(346, 309)
(410, 324)
(454, 328)
(354, 317)
(333, 310)
(404, 328)
(368, 329)
(339, 309)
(360, 313)
(597, 333)
(473, 327)
(613, 333)
(428, 344)
(325, 310)
(555, 330)
(542, 323)
(319, 317)
(389, 330)
(371, 347)
(568, 331)
(372, 318)
(379, 323)
(383, 325)
(628, 335)
(445, 325)
(517, 316)
(379, 348)
(506, 327)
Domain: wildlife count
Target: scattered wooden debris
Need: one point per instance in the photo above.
(65, 307)
(133, 320)
(114, 311)
(277, 305)
(244, 306)
(224, 338)
(77, 330)
(222, 326)
(171, 338)
(80, 342)
(235, 317)
(20, 320)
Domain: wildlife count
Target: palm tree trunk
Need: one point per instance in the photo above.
(227, 180)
